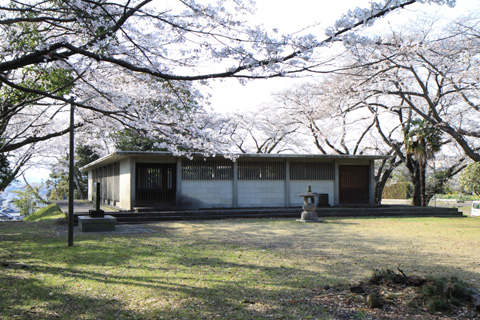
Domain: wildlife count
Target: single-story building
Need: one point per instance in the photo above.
(132, 180)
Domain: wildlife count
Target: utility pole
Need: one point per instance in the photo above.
(71, 173)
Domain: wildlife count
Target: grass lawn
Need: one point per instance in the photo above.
(230, 269)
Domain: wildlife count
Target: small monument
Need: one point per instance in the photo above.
(97, 212)
(96, 220)
(309, 213)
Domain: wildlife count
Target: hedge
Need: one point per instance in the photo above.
(399, 190)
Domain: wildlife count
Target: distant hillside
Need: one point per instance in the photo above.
(9, 195)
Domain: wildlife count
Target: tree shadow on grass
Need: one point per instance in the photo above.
(347, 247)
(260, 292)
(24, 297)
(251, 271)
(178, 294)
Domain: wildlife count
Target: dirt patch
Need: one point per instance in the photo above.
(394, 295)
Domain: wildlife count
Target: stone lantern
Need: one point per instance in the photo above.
(309, 213)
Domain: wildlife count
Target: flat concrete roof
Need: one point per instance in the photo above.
(120, 155)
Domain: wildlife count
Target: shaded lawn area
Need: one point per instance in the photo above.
(230, 269)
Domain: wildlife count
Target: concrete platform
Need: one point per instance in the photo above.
(126, 217)
(119, 229)
(87, 224)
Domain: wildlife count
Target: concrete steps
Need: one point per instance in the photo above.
(250, 213)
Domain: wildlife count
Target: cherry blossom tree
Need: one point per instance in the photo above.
(74, 39)
(328, 112)
(170, 113)
(344, 117)
(51, 50)
(392, 80)
(413, 145)
(421, 74)
(137, 35)
(434, 72)
(330, 115)
(264, 131)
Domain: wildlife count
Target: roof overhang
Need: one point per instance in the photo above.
(155, 155)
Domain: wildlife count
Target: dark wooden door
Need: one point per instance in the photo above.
(155, 185)
(353, 182)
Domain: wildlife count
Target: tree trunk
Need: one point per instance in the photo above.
(384, 172)
(417, 198)
(422, 166)
(380, 185)
(79, 189)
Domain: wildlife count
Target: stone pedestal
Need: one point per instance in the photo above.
(309, 212)
(89, 224)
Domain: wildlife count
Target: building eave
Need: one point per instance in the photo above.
(120, 155)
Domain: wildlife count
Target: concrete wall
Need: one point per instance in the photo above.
(219, 194)
(232, 193)
(206, 194)
(261, 193)
(300, 186)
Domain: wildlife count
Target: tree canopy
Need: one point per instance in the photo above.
(134, 61)
(5, 172)
(470, 178)
(58, 182)
(406, 92)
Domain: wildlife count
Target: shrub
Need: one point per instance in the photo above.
(399, 190)
(469, 179)
(439, 293)
(437, 305)
(458, 196)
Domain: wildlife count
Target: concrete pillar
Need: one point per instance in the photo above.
(336, 188)
(287, 183)
(90, 185)
(126, 182)
(110, 188)
(371, 183)
(178, 199)
(133, 179)
(235, 185)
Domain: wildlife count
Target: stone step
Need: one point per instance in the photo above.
(426, 210)
(214, 214)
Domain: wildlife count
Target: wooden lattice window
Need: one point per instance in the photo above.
(155, 184)
(248, 170)
(312, 171)
(207, 170)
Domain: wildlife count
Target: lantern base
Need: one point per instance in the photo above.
(309, 216)
(308, 221)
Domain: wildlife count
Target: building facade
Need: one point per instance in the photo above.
(132, 180)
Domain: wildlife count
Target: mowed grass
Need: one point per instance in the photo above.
(229, 269)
